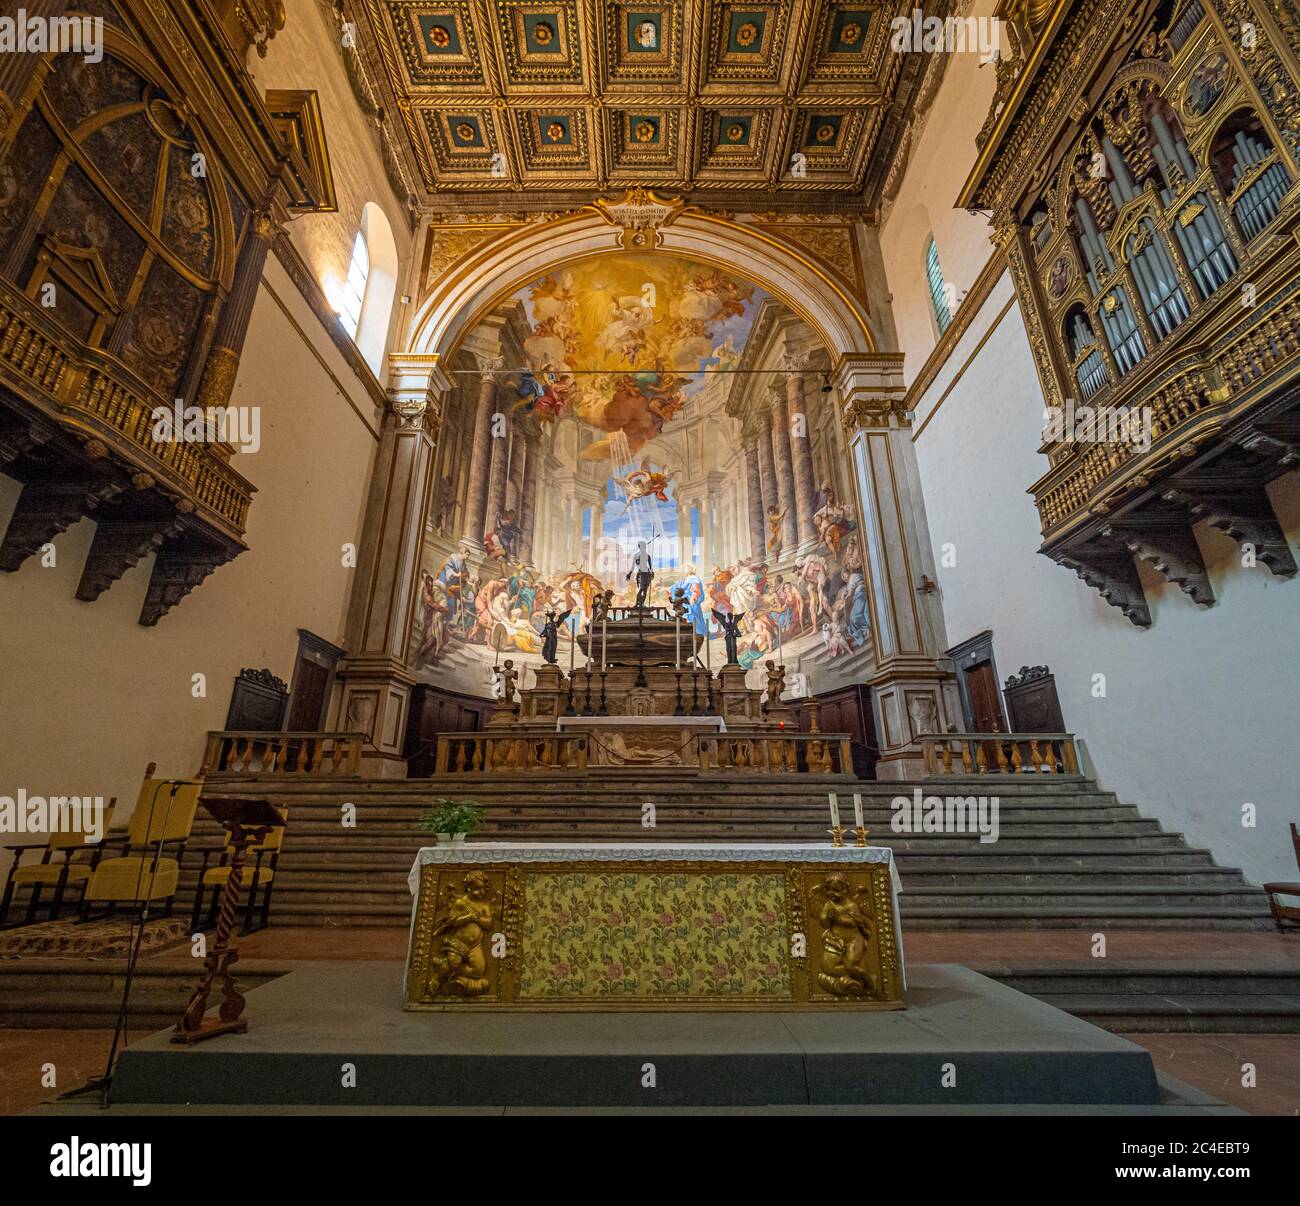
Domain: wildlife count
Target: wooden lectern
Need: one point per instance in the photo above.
(248, 822)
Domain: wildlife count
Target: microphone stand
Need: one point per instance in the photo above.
(103, 1083)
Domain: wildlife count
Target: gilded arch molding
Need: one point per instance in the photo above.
(474, 285)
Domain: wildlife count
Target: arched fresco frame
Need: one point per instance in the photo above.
(910, 679)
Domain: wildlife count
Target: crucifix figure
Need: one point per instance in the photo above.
(551, 634)
(731, 633)
(644, 571)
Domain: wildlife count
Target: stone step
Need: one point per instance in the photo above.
(1142, 980)
(918, 917)
(753, 813)
(1190, 1014)
(712, 828)
(69, 994)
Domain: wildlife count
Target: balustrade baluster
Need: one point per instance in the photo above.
(1036, 754)
(965, 755)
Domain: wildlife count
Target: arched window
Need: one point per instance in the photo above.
(365, 300)
(938, 294)
(354, 289)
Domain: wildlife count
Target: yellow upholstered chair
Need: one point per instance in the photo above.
(67, 859)
(258, 874)
(158, 829)
(1286, 915)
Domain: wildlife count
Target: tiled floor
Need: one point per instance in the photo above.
(1214, 1064)
(1211, 1062)
(77, 1056)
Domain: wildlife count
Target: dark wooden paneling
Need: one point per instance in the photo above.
(435, 711)
(848, 710)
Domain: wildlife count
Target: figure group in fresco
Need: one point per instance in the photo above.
(504, 605)
(640, 329)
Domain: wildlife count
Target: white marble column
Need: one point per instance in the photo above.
(912, 687)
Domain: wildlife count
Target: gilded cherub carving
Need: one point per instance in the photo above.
(460, 935)
(845, 918)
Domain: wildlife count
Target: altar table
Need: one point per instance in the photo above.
(651, 926)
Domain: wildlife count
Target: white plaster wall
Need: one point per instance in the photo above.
(1200, 712)
(88, 697)
(305, 54)
(936, 169)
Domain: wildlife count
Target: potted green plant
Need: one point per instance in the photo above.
(451, 820)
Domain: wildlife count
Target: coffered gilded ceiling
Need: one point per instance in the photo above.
(708, 98)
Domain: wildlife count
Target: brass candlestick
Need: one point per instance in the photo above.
(862, 835)
(837, 835)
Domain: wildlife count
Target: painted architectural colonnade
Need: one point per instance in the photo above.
(911, 682)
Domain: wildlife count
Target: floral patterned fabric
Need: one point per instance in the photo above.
(639, 935)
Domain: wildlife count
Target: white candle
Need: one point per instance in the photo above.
(857, 810)
(835, 810)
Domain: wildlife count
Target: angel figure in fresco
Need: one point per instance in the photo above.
(845, 918)
(644, 482)
(546, 398)
(458, 964)
(625, 329)
(640, 406)
(774, 541)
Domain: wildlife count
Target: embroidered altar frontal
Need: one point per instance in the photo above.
(649, 927)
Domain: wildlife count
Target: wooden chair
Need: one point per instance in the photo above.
(78, 858)
(162, 820)
(1286, 915)
(255, 875)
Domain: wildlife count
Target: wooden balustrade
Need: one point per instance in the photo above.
(767, 752)
(963, 754)
(778, 753)
(267, 753)
(489, 752)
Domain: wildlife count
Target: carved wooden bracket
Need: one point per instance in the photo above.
(1115, 577)
(1246, 516)
(1172, 551)
(182, 562)
(121, 540)
(46, 508)
(20, 439)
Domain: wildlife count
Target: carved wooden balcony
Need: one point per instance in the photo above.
(1143, 173)
(76, 428)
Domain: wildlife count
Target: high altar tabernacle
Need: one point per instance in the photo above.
(651, 925)
(644, 698)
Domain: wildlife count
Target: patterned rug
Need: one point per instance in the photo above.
(107, 939)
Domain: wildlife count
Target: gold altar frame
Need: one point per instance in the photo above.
(506, 896)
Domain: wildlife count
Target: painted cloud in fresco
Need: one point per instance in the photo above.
(635, 329)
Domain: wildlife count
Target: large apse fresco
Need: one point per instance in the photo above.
(617, 382)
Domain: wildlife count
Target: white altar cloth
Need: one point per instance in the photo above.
(462, 853)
